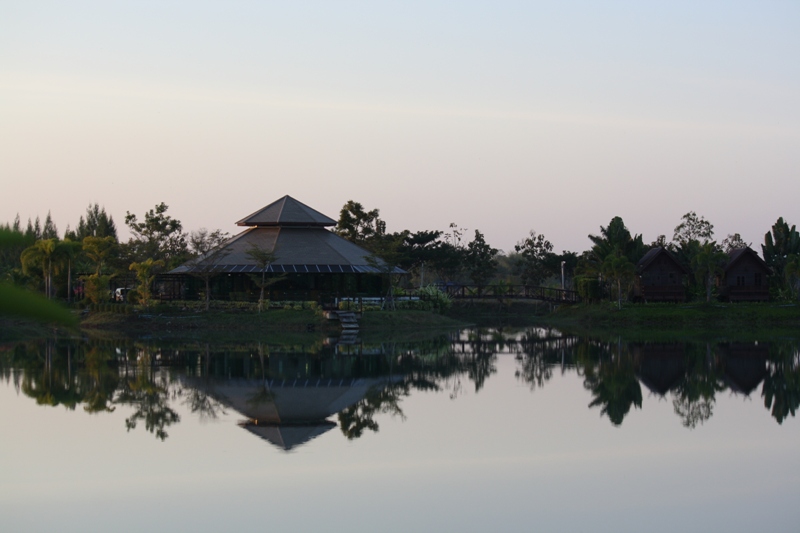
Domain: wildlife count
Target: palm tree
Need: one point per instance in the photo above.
(145, 275)
(41, 254)
(67, 250)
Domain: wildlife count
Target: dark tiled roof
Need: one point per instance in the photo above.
(301, 250)
(286, 212)
(651, 256)
(734, 256)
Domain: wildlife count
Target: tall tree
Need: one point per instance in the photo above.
(49, 230)
(68, 251)
(96, 224)
(210, 250)
(158, 236)
(693, 228)
(615, 239)
(358, 225)
(733, 242)
(779, 244)
(532, 262)
(42, 255)
(481, 260)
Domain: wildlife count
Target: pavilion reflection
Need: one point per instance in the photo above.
(289, 412)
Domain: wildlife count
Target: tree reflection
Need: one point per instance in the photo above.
(198, 398)
(781, 388)
(147, 391)
(101, 380)
(613, 384)
(693, 399)
(360, 416)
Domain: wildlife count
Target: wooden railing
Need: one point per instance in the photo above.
(519, 292)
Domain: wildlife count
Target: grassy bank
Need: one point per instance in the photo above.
(232, 323)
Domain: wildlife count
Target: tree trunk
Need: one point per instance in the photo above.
(263, 284)
(619, 294)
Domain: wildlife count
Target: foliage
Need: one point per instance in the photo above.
(779, 244)
(532, 264)
(733, 242)
(96, 224)
(210, 249)
(158, 237)
(145, 274)
(358, 225)
(620, 270)
(480, 260)
(792, 274)
(49, 230)
(96, 289)
(42, 255)
(692, 228)
(437, 300)
(263, 258)
(707, 264)
(614, 239)
(588, 288)
(17, 302)
(99, 250)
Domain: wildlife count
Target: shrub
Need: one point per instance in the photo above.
(588, 288)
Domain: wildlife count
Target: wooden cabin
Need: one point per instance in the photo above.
(314, 263)
(746, 277)
(660, 277)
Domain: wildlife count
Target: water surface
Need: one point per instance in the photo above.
(471, 431)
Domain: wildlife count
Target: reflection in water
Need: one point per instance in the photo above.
(290, 394)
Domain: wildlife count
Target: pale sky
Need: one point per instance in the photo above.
(498, 116)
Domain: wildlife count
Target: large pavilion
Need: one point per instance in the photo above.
(315, 263)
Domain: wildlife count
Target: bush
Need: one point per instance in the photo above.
(437, 300)
(588, 288)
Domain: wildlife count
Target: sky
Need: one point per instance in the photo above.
(500, 116)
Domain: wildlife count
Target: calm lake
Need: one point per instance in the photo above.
(478, 430)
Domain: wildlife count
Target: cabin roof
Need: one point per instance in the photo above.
(734, 256)
(286, 211)
(654, 253)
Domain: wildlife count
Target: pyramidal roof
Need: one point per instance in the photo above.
(286, 212)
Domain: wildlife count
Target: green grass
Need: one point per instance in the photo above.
(234, 324)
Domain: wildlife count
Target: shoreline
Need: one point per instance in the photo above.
(633, 320)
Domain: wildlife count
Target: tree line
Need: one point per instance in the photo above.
(43, 260)
(609, 265)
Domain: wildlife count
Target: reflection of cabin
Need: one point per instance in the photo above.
(746, 276)
(661, 277)
(660, 366)
(315, 262)
(744, 365)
